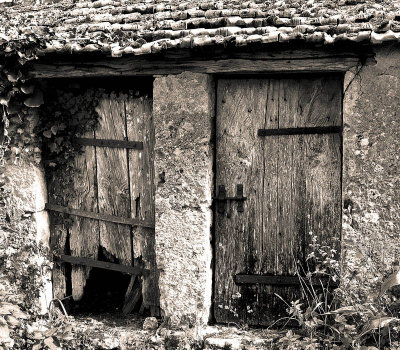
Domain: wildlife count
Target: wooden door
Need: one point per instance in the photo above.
(291, 177)
(111, 198)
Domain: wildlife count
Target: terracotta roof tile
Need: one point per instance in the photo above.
(145, 26)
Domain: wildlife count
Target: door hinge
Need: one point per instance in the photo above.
(221, 198)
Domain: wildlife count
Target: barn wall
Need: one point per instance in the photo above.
(371, 172)
(183, 109)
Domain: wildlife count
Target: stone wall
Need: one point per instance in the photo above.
(371, 172)
(24, 226)
(183, 112)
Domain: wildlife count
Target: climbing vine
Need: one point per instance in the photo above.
(18, 93)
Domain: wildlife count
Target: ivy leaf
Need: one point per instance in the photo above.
(36, 100)
(52, 343)
(47, 134)
(5, 99)
(27, 89)
(391, 281)
(13, 78)
(380, 322)
(54, 129)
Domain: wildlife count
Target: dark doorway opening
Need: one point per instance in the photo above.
(105, 290)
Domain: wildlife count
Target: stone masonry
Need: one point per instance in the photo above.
(183, 113)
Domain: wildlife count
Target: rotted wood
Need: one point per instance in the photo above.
(295, 61)
(58, 236)
(133, 270)
(112, 178)
(84, 232)
(132, 295)
(139, 124)
(284, 280)
(292, 182)
(99, 216)
(109, 143)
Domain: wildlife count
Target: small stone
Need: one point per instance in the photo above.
(150, 323)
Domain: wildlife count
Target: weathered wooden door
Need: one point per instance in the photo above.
(281, 140)
(111, 199)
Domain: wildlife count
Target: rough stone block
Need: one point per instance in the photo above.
(183, 110)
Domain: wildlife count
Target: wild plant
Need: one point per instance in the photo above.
(330, 316)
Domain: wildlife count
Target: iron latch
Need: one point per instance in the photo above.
(222, 198)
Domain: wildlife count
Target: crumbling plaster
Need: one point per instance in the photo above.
(371, 171)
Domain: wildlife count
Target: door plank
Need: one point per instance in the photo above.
(112, 177)
(141, 176)
(239, 156)
(84, 232)
(323, 166)
(58, 235)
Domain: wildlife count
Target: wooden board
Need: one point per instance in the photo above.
(58, 236)
(84, 233)
(112, 177)
(178, 61)
(292, 183)
(140, 127)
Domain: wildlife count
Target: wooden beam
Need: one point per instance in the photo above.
(133, 270)
(109, 143)
(99, 216)
(307, 61)
(282, 280)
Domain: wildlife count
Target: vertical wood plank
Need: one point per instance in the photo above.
(112, 177)
(58, 235)
(323, 164)
(239, 157)
(141, 176)
(84, 233)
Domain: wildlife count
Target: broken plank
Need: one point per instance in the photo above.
(133, 295)
(139, 123)
(84, 232)
(112, 177)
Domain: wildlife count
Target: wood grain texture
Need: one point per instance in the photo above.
(292, 183)
(84, 232)
(295, 61)
(140, 127)
(58, 236)
(112, 177)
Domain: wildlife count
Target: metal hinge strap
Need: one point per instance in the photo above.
(132, 270)
(99, 216)
(301, 131)
(109, 143)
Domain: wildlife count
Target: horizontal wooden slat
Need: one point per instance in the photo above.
(99, 216)
(281, 280)
(232, 63)
(103, 265)
(300, 131)
(109, 143)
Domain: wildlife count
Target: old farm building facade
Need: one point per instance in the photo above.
(183, 159)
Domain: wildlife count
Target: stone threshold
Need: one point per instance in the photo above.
(104, 333)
